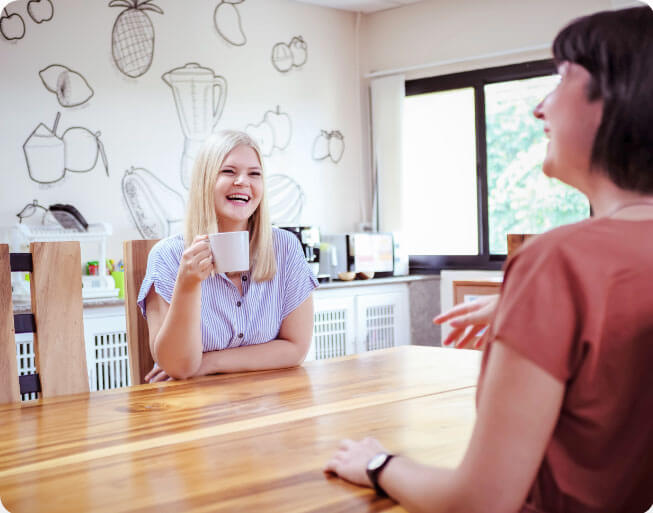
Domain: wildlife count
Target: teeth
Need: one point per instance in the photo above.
(242, 197)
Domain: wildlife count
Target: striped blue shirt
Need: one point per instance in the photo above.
(229, 319)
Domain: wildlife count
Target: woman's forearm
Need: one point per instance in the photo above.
(275, 354)
(420, 488)
(178, 345)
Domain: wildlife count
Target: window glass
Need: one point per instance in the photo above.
(439, 185)
(521, 199)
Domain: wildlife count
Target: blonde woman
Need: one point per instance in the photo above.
(202, 322)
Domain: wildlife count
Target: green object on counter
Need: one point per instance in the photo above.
(119, 279)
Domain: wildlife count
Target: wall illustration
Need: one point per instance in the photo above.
(12, 26)
(132, 37)
(329, 145)
(285, 199)
(199, 108)
(228, 23)
(291, 55)
(49, 157)
(274, 131)
(71, 88)
(40, 10)
(156, 209)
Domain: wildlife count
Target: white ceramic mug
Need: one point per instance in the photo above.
(230, 251)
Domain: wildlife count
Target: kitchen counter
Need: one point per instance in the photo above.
(22, 306)
(377, 281)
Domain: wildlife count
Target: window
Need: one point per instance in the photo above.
(472, 158)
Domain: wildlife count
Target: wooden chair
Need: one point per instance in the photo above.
(515, 240)
(56, 321)
(135, 254)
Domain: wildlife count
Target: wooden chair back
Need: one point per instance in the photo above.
(135, 253)
(56, 321)
(515, 240)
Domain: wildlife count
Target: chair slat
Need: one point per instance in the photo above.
(24, 323)
(56, 287)
(135, 253)
(9, 388)
(20, 262)
(29, 384)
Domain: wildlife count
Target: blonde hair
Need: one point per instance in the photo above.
(201, 217)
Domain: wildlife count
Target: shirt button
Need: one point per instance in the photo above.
(238, 303)
(244, 278)
(240, 335)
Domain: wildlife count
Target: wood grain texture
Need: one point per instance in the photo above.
(56, 290)
(241, 442)
(515, 240)
(135, 253)
(9, 389)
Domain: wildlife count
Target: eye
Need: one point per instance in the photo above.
(227, 171)
(255, 173)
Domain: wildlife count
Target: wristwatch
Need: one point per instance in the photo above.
(374, 468)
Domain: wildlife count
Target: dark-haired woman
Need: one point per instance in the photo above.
(565, 401)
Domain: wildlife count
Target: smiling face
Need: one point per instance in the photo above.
(238, 189)
(571, 122)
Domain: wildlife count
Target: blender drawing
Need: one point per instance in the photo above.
(199, 107)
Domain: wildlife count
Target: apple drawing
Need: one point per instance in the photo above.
(321, 146)
(12, 26)
(281, 127)
(299, 51)
(336, 146)
(282, 57)
(40, 10)
(263, 135)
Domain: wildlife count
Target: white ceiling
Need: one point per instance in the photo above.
(366, 6)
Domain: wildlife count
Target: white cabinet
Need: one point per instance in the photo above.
(107, 354)
(359, 318)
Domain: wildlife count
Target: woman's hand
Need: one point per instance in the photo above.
(196, 261)
(476, 316)
(351, 459)
(157, 374)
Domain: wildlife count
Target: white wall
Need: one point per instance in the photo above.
(137, 117)
(432, 31)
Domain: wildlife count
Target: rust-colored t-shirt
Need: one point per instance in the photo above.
(578, 302)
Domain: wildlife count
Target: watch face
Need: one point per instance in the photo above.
(377, 461)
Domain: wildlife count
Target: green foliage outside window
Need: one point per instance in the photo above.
(521, 199)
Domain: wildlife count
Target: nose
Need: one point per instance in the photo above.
(240, 179)
(538, 112)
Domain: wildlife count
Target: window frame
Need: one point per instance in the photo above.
(476, 79)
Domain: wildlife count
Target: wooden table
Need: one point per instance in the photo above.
(251, 442)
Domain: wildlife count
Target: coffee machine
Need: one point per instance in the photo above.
(309, 238)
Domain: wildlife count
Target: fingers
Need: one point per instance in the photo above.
(152, 372)
(457, 310)
(453, 336)
(471, 335)
(160, 376)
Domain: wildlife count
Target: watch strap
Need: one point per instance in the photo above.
(374, 475)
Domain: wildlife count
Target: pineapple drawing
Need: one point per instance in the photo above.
(132, 39)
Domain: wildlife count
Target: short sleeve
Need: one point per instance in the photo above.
(298, 278)
(541, 309)
(162, 267)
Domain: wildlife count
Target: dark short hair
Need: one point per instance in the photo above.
(616, 47)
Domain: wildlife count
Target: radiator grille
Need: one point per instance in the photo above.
(330, 333)
(380, 327)
(108, 362)
(26, 364)
(111, 366)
